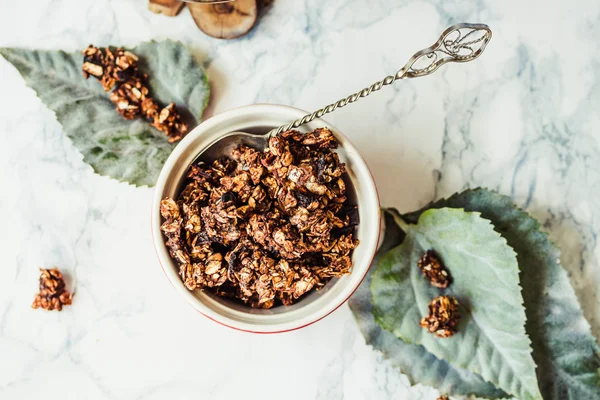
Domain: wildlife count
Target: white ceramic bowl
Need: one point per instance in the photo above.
(317, 304)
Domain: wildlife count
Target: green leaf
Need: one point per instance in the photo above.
(413, 360)
(129, 151)
(175, 75)
(491, 340)
(566, 353)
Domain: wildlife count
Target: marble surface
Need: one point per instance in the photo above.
(523, 120)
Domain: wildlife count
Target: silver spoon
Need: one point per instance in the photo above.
(459, 43)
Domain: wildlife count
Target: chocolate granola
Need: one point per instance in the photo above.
(118, 69)
(434, 270)
(443, 317)
(52, 295)
(264, 227)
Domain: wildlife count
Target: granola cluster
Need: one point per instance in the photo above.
(443, 317)
(433, 269)
(118, 69)
(52, 295)
(443, 397)
(264, 227)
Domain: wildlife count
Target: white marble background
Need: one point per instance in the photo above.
(523, 120)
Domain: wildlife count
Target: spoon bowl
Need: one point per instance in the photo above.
(224, 146)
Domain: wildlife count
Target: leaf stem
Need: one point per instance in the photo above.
(398, 219)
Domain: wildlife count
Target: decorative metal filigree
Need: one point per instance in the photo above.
(459, 43)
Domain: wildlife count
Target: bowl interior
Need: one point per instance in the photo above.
(314, 305)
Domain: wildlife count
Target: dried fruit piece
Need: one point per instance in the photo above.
(118, 68)
(242, 228)
(225, 20)
(443, 317)
(170, 8)
(52, 295)
(436, 273)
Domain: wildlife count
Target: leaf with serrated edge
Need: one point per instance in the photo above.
(129, 151)
(491, 340)
(413, 360)
(566, 352)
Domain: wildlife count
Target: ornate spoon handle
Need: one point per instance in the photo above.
(459, 43)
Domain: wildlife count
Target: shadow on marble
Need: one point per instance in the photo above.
(264, 6)
(575, 257)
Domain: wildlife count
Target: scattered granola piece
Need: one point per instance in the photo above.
(253, 229)
(117, 68)
(443, 317)
(169, 121)
(52, 295)
(129, 96)
(443, 397)
(433, 269)
(109, 67)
